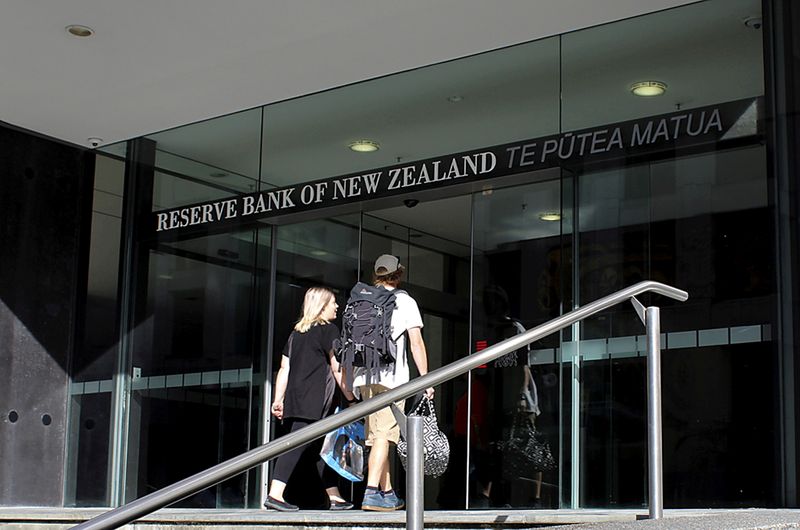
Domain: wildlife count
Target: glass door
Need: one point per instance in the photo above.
(699, 223)
(518, 260)
(193, 394)
(322, 252)
(432, 241)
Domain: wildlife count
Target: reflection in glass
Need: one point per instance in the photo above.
(697, 222)
(194, 356)
(500, 96)
(208, 160)
(703, 52)
(223, 150)
(93, 365)
(516, 265)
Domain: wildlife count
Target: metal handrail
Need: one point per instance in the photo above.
(225, 470)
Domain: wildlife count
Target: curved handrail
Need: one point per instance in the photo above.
(225, 470)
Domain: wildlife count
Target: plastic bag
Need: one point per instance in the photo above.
(343, 451)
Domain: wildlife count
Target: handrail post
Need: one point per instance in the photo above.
(415, 479)
(653, 326)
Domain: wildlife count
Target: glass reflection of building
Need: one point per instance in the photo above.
(204, 316)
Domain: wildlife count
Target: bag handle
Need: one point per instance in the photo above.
(400, 417)
(431, 410)
(523, 424)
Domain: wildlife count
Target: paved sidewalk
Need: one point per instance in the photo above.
(754, 519)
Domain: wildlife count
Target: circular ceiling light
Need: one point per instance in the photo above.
(364, 146)
(648, 88)
(550, 216)
(80, 31)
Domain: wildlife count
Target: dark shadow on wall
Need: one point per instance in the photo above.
(45, 210)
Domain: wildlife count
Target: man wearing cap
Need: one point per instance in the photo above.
(381, 427)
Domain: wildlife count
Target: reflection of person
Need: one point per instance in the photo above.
(304, 392)
(451, 494)
(515, 388)
(381, 427)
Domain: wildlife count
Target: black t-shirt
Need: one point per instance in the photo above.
(311, 386)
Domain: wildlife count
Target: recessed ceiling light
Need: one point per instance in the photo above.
(319, 252)
(80, 31)
(550, 216)
(94, 141)
(648, 88)
(455, 98)
(364, 146)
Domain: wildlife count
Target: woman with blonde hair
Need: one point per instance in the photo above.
(304, 392)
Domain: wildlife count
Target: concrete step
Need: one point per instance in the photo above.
(174, 519)
(753, 519)
(189, 519)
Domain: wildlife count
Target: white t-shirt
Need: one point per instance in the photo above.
(405, 316)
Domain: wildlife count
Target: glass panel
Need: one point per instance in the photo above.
(432, 241)
(315, 253)
(119, 149)
(478, 101)
(703, 52)
(97, 348)
(194, 355)
(568, 455)
(517, 270)
(698, 223)
(208, 160)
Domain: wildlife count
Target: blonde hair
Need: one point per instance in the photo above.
(313, 305)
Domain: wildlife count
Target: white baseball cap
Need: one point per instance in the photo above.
(389, 263)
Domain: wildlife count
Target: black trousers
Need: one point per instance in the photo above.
(287, 462)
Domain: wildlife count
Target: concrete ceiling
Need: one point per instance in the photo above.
(154, 65)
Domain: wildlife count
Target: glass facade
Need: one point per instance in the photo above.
(208, 311)
(92, 372)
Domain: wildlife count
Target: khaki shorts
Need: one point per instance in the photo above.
(380, 425)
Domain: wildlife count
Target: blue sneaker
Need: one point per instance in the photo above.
(376, 501)
(392, 498)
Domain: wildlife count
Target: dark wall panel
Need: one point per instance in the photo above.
(45, 205)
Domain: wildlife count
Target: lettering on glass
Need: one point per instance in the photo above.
(707, 124)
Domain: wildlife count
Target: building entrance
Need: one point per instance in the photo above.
(472, 262)
(213, 313)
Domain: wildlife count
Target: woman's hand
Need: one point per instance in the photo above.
(277, 409)
(350, 398)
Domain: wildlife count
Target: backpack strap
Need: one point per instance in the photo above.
(400, 418)
(406, 344)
